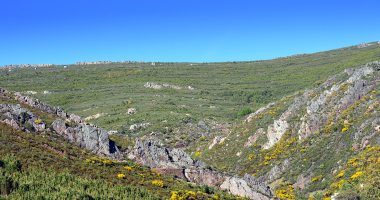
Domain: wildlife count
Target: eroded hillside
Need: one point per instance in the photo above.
(312, 143)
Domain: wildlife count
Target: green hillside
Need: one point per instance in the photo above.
(315, 132)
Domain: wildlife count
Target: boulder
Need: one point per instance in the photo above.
(59, 126)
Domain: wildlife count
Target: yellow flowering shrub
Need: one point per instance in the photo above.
(158, 183)
(121, 176)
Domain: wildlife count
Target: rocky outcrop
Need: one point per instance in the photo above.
(308, 126)
(137, 126)
(35, 103)
(156, 86)
(215, 141)
(152, 85)
(252, 139)
(248, 187)
(362, 45)
(255, 114)
(205, 176)
(76, 119)
(275, 132)
(90, 137)
(146, 152)
(16, 117)
(358, 73)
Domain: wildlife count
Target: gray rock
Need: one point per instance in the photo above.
(309, 125)
(90, 137)
(247, 187)
(76, 119)
(362, 45)
(146, 152)
(202, 124)
(358, 73)
(205, 176)
(255, 114)
(20, 115)
(275, 132)
(136, 126)
(273, 174)
(59, 126)
(152, 85)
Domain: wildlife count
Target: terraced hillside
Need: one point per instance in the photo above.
(300, 127)
(218, 92)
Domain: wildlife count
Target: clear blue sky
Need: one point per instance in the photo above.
(65, 32)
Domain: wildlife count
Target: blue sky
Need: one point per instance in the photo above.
(65, 32)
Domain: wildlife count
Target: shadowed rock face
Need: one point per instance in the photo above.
(92, 138)
(248, 187)
(147, 152)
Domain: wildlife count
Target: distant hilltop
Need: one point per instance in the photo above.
(26, 65)
(78, 63)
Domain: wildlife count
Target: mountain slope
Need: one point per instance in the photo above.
(308, 140)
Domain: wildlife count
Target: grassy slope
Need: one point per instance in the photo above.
(78, 174)
(104, 88)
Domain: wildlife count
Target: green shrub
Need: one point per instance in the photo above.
(246, 110)
(11, 164)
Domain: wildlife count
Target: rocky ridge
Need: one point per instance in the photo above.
(85, 135)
